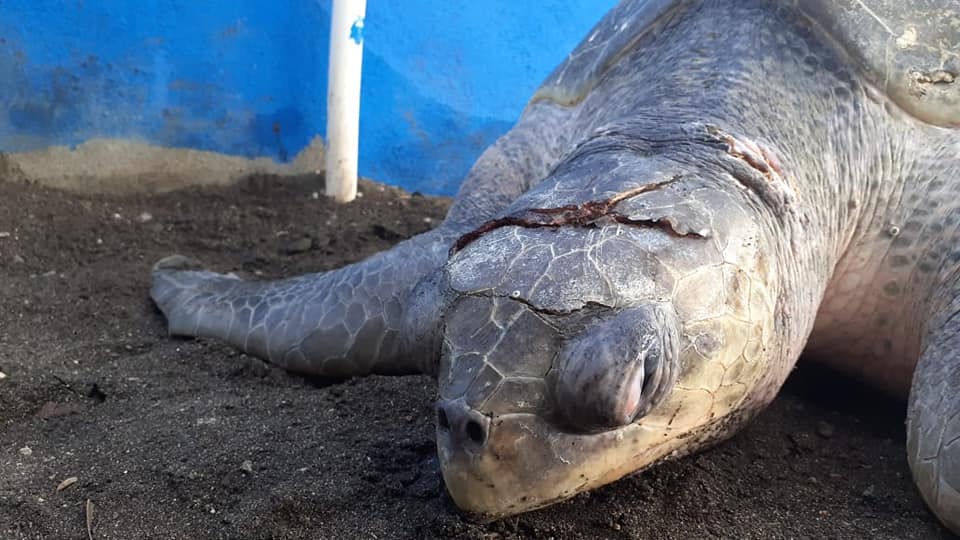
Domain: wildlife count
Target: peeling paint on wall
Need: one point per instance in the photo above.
(356, 31)
(442, 79)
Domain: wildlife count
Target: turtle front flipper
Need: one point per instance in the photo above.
(356, 320)
(377, 316)
(933, 419)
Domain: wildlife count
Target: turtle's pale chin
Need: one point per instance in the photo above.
(524, 463)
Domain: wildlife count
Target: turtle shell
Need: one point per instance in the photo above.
(620, 30)
(908, 51)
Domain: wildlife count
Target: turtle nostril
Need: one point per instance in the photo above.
(442, 420)
(460, 426)
(475, 432)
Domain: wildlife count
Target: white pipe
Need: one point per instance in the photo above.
(343, 98)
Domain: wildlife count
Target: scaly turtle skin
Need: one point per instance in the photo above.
(700, 192)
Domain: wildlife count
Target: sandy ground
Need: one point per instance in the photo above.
(190, 439)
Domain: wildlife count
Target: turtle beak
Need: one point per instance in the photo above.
(497, 467)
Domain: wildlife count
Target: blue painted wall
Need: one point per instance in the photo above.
(441, 79)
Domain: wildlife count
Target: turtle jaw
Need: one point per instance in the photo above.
(523, 463)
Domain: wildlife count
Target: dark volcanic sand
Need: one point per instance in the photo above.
(158, 431)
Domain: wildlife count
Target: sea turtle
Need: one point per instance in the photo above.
(699, 192)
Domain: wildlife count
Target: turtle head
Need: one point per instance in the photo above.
(573, 356)
(534, 408)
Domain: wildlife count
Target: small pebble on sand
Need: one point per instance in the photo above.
(67, 483)
(299, 246)
(2, 375)
(825, 429)
(4, 234)
(26, 451)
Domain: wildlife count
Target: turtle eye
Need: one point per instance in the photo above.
(617, 370)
